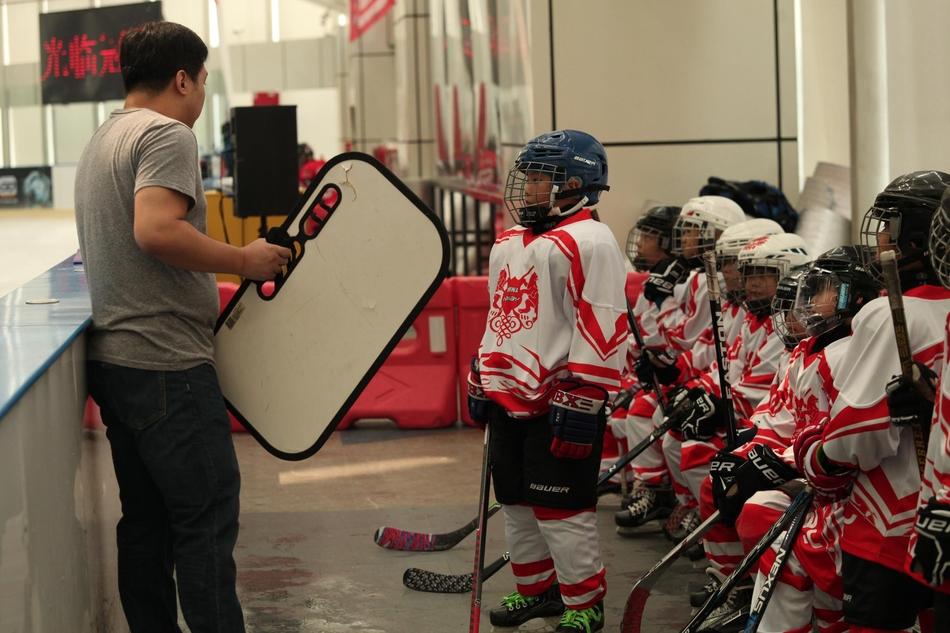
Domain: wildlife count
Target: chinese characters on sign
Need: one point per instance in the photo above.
(82, 57)
(79, 57)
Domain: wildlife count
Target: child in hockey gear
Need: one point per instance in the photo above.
(786, 324)
(929, 551)
(650, 239)
(551, 355)
(733, 240)
(859, 447)
(698, 226)
(680, 323)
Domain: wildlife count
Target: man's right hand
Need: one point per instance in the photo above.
(262, 261)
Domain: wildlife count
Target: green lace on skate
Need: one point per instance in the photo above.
(515, 600)
(581, 619)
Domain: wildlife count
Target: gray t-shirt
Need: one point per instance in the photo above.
(145, 314)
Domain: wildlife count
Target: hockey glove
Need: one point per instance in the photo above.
(577, 412)
(735, 479)
(663, 278)
(479, 405)
(932, 550)
(828, 479)
(656, 363)
(695, 414)
(910, 400)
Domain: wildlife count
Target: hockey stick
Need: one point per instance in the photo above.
(475, 613)
(638, 338)
(781, 559)
(892, 283)
(409, 541)
(422, 580)
(406, 541)
(799, 504)
(719, 335)
(637, 598)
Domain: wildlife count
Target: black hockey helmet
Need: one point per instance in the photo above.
(900, 220)
(789, 329)
(837, 285)
(657, 221)
(940, 240)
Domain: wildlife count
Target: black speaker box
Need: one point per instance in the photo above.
(265, 160)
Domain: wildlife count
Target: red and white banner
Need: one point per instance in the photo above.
(365, 13)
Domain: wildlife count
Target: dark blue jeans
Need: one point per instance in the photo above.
(178, 485)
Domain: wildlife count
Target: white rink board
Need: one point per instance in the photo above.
(289, 367)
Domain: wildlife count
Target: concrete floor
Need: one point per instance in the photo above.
(306, 557)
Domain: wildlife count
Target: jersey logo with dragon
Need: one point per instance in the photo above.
(514, 305)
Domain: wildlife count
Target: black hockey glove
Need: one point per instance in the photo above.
(735, 480)
(663, 278)
(932, 551)
(577, 412)
(911, 400)
(656, 363)
(695, 413)
(479, 405)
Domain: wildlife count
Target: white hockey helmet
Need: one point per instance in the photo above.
(729, 244)
(700, 222)
(763, 262)
(735, 237)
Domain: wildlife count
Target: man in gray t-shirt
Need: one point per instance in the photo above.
(140, 214)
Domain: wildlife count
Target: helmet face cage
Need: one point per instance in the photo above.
(760, 279)
(637, 254)
(822, 301)
(786, 324)
(527, 196)
(940, 242)
(880, 231)
(733, 288)
(692, 237)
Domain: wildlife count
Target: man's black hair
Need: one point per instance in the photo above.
(151, 55)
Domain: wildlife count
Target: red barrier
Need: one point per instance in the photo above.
(416, 386)
(471, 298)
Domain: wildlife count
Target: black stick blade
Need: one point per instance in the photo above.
(422, 580)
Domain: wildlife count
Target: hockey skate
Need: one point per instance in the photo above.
(731, 616)
(516, 608)
(680, 522)
(647, 503)
(583, 620)
(698, 597)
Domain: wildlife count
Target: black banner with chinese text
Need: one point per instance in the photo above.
(79, 51)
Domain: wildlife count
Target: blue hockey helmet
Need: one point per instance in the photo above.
(558, 157)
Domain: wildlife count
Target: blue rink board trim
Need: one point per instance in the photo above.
(33, 337)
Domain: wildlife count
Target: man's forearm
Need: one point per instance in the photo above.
(181, 245)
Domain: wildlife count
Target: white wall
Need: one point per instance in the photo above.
(825, 133)
(676, 90)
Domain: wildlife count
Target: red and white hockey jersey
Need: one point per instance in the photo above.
(937, 471)
(683, 317)
(880, 512)
(753, 360)
(557, 310)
